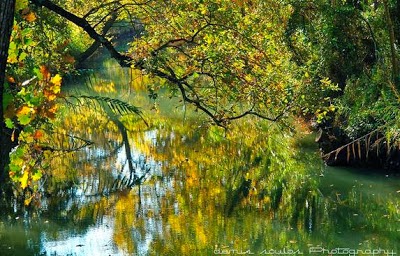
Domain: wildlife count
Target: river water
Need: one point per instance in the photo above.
(180, 186)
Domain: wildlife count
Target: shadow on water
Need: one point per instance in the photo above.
(181, 186)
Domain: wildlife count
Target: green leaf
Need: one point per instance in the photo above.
(38, 73)
(37, 175)
(9, 123)
(19, 152)
(22, 56)
(14, 167)
(24, 119)
(195, 75)
(28, 42)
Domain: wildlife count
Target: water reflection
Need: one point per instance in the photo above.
(203, 191)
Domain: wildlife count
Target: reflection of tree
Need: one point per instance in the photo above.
(91, 165)
(250, 171)
(133, 178)
(282, 207)
(100, 125)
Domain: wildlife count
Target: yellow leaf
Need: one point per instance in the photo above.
(37, 175)
(30, 17)
(28, 201)
(56, 81)
(24, 180)
(12, 59)
(24, 111)
(49, 95)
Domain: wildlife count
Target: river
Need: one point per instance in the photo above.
(174, 184)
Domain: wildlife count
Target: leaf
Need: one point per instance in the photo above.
(10, 79)
(50, 96)
(50, 112)
(9, 123)
(24, 119)
(38, 73)
(24, 110)
(27, 201)
(56, 83)
(30, 17)
(37, 176)
(13, 136)
(7, 99)
(24, 180)
(38, 134)
(56, 80)
(12, 53)
(195, 75)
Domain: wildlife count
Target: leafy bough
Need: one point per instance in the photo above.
(117, 106)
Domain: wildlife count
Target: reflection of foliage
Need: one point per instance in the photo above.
(116, 105)
(210, 181)
(182, 208)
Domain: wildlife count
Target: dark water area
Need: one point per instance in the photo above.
(181, 186)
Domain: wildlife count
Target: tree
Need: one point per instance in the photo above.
(6, 21)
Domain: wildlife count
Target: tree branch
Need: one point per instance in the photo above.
(124, 60)
(96, 44)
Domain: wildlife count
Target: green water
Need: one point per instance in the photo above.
(254, 189)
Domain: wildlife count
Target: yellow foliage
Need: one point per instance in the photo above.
(49, 95)
(175, 223)
(56, 81)
(24, 179)
(104, 87)
(12, 59)
(24, 111)
(30, 17)
(28, 200)
(201, 235)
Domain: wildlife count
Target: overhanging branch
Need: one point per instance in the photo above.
(124, 60)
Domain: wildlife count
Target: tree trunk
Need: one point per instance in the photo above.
(7, 8)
